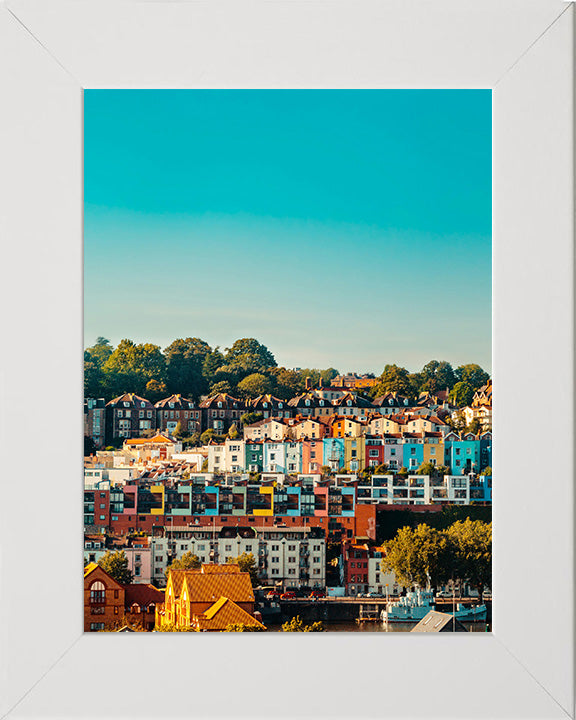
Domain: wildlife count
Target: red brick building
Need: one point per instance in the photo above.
(177, 409)
(129, 415)
(221, 411)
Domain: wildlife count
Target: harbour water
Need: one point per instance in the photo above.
(377, 627)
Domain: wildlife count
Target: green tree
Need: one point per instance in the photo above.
(287, 383)
(426, 468)
(247, 563)
(93, 378)
(475, 426)
(470, 544)
(487, 470)
(171, 627)
(297, 625)
(155, 390)
(437, 375)
(100, 351)
(472, 374)
(220, 387)
(417, 556)
(178, 432)
(250, 354)
(212, 362)
(137, 363)
(462, 394)
(395, 379)
(241, 627)
(254, 385)
(206, 436)
(251, 417)
(185, 364)
(233, 432)
(116, 565)
(188, 561)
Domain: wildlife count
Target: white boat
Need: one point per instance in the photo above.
(413, 606)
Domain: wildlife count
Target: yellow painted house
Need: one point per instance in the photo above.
(355, 454)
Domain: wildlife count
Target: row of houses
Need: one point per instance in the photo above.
(206, 500)
(462, 454)
(287, 556)
(212, 598)
(130, 415)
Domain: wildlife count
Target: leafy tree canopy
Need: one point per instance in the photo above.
(185, 363)
(188, 561)
(471, 550)
(394, 379)
(297, 625)
(254, 385)
(247, 563)
(221, 387)
(462, 394)
(437, 375)
(241, 627)
(141, 363)
(251, 417)
(250, 354)
(417, 556)
(472, 374)
(116, 565)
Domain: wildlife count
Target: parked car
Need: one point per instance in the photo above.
(288, 595)
(444, 594)
(273, 594)
(317, 594)
(487, 595)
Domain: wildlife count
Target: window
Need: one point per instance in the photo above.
(291, 559)
(291, 571)
(137, 570)
(316, 560)
(248, 548)
(274, 559)
(97, 593)
(228, 548)
(275, 547)
(291, 547)
(102, 517)
(94, 627)
(275, 571)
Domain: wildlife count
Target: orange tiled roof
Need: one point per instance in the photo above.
(146, 441)
(214, 568)
(90, 568)
(211, 586)
(225, 612)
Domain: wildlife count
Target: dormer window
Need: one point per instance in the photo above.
(171, 405)
(322, 403)
(126, 404)
(142, 404)
(280, 405)
(390, 401)
(349, 403)
(265, 405)
(307, 403)
(219, 404)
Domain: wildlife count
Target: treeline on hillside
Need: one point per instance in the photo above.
(247, 369)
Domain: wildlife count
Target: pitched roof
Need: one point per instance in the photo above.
(215, 569)
(208, 587)
(157, 439)
(89, 568)
(142, 594)
(436, 621)
(177, 400)
(225, 612)
(131, 398)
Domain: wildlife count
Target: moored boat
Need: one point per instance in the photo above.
(415, 605)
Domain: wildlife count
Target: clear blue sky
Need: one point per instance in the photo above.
(340, 228)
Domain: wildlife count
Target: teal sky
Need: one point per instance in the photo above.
(343, 228)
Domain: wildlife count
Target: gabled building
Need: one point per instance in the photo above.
(353, 405)
(177, 409)
(343, 427)
(267, 429)
(128, 416)
(270, 406)
(391, 403)
(310, 404)
(191, 594)
(221, 411)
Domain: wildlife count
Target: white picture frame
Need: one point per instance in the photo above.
(50, 50)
